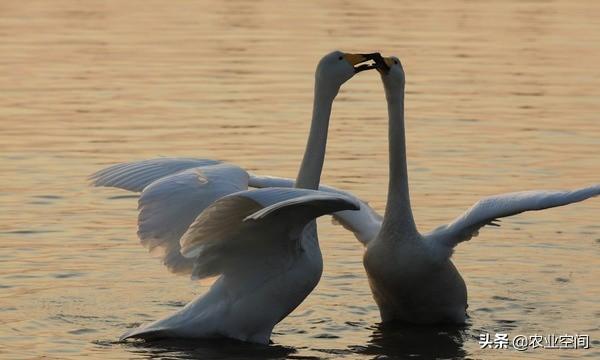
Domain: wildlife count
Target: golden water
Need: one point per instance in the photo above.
(501, 96)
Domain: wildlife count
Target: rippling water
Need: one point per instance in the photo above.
(500, 97)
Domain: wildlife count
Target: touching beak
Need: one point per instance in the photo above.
(383, 65)
(357, 60)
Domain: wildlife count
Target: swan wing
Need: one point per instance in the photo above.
(252, 228)
(136, 175)
(364, 223)
(486, 211)
(168, 206)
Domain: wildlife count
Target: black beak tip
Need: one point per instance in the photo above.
(380, 64)
(371, 56)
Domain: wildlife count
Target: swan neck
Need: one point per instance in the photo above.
(309, 175)
(398, 212)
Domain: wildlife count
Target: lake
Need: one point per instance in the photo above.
(501, 97)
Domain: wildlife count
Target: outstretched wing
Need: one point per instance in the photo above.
(136, 175)
(168, 206)
(489, 209)
(364, 223)
(254, 227)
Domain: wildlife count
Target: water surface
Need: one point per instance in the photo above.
(500, 97)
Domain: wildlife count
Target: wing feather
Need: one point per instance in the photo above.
(364, 223)
(487, 211)
(169, 205)
(235, 230)
(135, 176)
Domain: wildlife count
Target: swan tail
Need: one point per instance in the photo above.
(147, 332)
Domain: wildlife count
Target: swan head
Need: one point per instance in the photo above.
(391, 72)
(337, 67)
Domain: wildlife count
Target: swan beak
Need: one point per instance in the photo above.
(383, 65)
(356, 59)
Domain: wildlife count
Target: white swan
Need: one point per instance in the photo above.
(201, 218)
(411, 275)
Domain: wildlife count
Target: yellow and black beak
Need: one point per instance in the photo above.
(357, 60)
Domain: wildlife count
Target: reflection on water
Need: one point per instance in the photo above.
(416, 342)
(501, 96)
(395, 341)
(206, 349)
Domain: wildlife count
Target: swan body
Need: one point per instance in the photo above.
(200, 217)
(411, 285)
(263, 275)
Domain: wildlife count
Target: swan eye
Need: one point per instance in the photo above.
(341, 58)
(395, 61)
